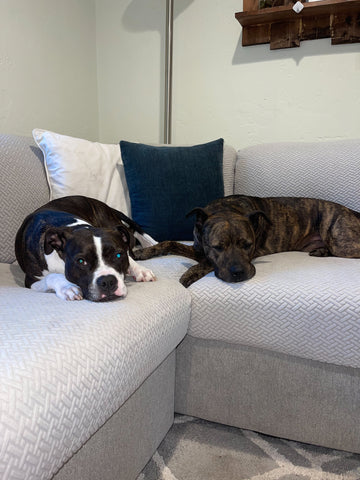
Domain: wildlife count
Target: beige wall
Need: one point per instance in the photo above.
(247, 95)
(251, 94)
(48, 67)
(94, 68)
(130, 52)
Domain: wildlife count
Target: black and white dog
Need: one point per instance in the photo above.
(80, 248)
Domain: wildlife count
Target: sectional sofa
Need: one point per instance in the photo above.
(89, 390)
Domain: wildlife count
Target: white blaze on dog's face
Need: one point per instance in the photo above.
(108, 278)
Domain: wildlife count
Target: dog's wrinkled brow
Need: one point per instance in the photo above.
(220, 232)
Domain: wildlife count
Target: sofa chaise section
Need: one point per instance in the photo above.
(67, 367)
(85, 386)
(279, 353)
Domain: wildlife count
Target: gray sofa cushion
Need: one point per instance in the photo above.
(23, 187)
(229, 162)
(66, 367)
(296, 304)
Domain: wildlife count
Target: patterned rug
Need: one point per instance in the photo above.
(195, 449)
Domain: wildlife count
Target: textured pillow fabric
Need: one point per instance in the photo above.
(166, 182)
(75, 166)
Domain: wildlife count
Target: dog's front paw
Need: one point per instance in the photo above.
(186, 280)
(320, 252)
(194, 273)
(70, 292)
(142, 274)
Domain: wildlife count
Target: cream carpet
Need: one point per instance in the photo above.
(195, 449)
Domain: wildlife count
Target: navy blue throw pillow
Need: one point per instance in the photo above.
(166, 182)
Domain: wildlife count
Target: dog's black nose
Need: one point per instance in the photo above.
(237, 273)
(107, 284)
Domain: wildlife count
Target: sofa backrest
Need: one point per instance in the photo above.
(229, 161)
(23, 188)
(327, 170)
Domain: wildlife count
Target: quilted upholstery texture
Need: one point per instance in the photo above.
(229, 161)
(321, 170)
(23, 188)
(296, 304)
(66, 367)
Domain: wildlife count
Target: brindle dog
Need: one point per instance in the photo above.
(230, 232)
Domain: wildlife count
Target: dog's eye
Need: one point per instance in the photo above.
(81, 261)
(118, 255)
(247, 245)
(218, 248)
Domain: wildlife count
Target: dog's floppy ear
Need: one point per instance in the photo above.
(201, 216)
(55, 239)
(254, 218)
(200, 213)
(125, 234)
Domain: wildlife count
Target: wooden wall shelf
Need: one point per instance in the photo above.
(283, 28)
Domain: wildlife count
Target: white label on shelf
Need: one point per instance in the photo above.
(298, 7)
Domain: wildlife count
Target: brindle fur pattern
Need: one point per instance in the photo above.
(230, 232)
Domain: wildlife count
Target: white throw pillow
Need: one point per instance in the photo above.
(79, 167)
